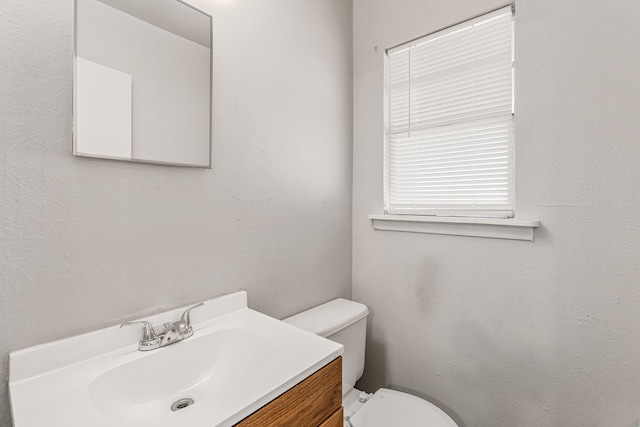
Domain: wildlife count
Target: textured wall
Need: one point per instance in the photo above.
(505, 333)
(87, 243)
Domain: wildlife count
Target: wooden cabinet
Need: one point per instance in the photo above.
(316, 401)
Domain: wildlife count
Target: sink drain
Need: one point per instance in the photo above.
(181, 404)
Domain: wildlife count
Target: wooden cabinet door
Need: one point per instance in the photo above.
(335, 420)
(307, 404)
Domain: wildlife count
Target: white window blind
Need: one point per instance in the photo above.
(449, 122)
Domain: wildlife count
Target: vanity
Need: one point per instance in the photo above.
(239, 368)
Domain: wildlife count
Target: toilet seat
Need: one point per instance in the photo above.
(393, 408)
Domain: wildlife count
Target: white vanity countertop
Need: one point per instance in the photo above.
(63, 383)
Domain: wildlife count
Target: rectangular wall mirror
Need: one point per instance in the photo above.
(142, 82)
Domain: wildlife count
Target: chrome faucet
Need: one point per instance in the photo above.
(171, 332)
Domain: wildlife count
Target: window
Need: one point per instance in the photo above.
(449, 121)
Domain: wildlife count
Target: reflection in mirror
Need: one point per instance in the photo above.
(142, 82)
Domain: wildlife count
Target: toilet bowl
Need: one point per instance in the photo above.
(345, 322)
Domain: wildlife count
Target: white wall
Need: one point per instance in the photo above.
(505, 333)
(87, 243)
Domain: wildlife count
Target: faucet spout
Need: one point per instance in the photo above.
(170, 336)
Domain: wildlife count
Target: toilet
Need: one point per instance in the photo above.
(345, 322)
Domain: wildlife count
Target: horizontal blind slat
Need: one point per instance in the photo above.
(464, 58)
(451, 53)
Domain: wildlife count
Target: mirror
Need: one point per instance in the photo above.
(142, 82)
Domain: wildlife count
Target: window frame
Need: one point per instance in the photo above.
(437, 211)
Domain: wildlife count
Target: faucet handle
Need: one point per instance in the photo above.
(185, 316)
(183, 326)
(148, 340)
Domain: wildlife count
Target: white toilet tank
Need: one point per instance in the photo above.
(342, 321)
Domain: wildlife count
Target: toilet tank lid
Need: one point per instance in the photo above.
(329, 318)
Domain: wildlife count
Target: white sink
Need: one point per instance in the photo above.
(144, 389)
(237, 361)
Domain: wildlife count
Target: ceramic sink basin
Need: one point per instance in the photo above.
(144, 389)
(237, 361)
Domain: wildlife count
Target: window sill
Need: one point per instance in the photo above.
(494, 228)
